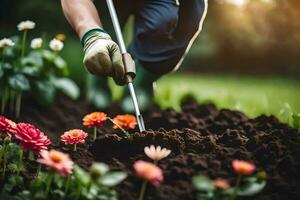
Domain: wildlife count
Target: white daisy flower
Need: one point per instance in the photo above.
(5, 42)
(26, 25)
(36, 43)
(56, 45)
(156, 153)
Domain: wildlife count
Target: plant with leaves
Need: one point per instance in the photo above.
(220, 189)
(97, 183)
(39, 72)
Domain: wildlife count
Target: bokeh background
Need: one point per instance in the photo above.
(247, 56)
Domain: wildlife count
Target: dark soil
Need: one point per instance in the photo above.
(203, 139)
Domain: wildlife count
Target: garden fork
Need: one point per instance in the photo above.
(128, 63)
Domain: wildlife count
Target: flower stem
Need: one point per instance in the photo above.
(20, 162)
(95, 133)
(11, 100)
(4, 158)
(18, 104)
(49, 182)
(238, 182)
(122, 129)
(143, 190)
(4, 99)
(67, 184)
(38, 170)
(2, 55)
(23, 43)
(75, 147)
(78, 194)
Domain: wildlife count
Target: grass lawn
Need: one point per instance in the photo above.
(252, 95)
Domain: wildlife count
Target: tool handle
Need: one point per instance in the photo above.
(127, 59)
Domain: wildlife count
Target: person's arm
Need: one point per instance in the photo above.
(81, 14)
(102, 56)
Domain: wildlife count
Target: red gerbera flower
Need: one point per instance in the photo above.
(31, 138)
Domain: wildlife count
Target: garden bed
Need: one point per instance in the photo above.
(203, 139)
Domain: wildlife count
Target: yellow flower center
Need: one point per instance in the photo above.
(74, 134)
(55, 157)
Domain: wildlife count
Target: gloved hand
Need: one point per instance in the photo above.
(102, 56)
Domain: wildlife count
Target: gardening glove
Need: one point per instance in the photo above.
(102, 56)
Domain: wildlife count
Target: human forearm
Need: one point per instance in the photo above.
(81, 14)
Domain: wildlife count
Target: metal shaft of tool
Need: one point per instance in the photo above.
(123, 49)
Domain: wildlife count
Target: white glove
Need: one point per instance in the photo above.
(102, 56)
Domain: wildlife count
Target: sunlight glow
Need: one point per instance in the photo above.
(239, 3)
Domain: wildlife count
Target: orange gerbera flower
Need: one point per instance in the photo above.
(221, 183)
(243, 167)
(95, 119)
(125, 121)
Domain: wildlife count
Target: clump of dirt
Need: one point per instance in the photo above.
(203, 139)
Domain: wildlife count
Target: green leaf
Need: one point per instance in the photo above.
(82, 176)
(1, 70)
(58, 194)
(30, 71)
(12, 182)
(112, 178)
(7, 66)
(296, 121)
(61, 65)
(57, 61)
(48, 55)
(67, 86)
(205, 196)
(19, 82)
(12, 167)
(45, 92)
(32, 60)
(203, 183)
(251, 187)
(98, 169)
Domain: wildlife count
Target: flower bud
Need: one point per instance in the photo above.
(7, 139)
(98, 169)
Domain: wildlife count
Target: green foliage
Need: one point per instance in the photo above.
(207, 190)
(251, 186)
(95, 184)
(41, 73)
(203, 183)
(296, 121)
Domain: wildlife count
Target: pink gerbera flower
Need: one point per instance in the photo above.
(75, 136)
(149, 172)
(58, 161)
(7, 126)
(31, 138)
